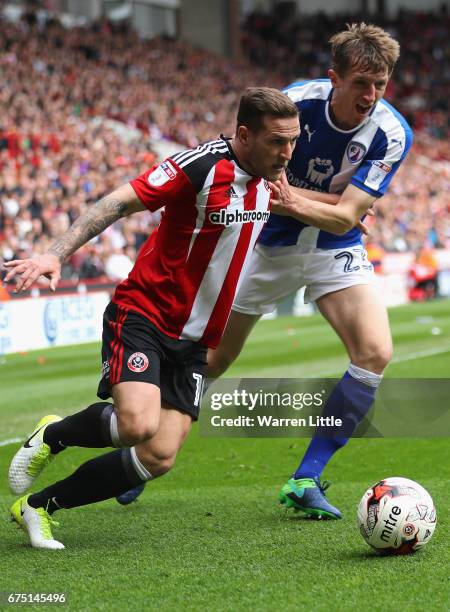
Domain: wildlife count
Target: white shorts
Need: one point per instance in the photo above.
(276, 272)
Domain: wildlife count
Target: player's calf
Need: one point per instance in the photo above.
(158, 461)
(157, 466)
(158, 455)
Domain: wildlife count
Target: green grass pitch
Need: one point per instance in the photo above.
(210, 535)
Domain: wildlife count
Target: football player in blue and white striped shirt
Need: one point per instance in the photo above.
(352, 143)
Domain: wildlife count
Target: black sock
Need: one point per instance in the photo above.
(96, 480)
(89, 428)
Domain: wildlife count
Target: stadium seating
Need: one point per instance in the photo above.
(58, 153)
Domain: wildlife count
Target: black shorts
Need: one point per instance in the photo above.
(134, 349)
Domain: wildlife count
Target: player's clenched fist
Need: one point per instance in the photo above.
(27, 271)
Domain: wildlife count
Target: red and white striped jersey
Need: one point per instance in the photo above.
(188, 271)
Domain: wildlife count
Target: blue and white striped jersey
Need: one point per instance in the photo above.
(327, 158)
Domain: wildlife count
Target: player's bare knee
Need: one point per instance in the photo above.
(385, 355)
(382, 356)
(137, 428)
(374, 358)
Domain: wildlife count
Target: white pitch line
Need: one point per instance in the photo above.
(10, 441)
(418, 354)
(398, 359)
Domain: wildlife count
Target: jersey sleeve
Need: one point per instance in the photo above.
(162, 185)
(381, 163)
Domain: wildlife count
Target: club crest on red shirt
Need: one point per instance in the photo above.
(137, 362)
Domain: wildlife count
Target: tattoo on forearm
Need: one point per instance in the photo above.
(90, 224)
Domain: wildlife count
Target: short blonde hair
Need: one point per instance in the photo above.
(367, 47)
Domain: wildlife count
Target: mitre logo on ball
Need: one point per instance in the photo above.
(397, 516)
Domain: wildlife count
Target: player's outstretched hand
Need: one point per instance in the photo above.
(27, 271)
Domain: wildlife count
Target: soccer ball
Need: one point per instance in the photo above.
(396, 516)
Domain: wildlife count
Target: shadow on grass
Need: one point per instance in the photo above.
(373, 556)
(292, 516)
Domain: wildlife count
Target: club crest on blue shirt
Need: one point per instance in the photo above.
(355, 152)
(319, 170)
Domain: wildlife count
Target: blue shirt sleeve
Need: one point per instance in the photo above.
(382, 162)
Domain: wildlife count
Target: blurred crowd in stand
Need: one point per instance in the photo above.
(416, 211)
(296, 47)
(59, 155)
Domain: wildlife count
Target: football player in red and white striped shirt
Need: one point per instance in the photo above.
(163, 317)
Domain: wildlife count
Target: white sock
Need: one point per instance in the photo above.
(141, 470)
(365, 376)
(114, 431)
